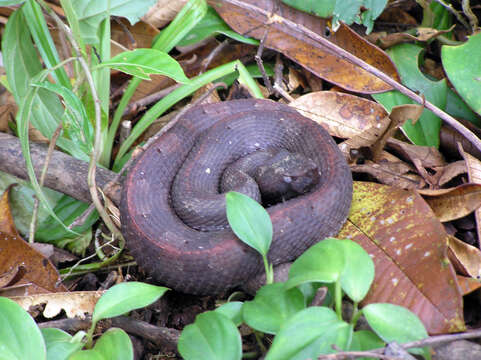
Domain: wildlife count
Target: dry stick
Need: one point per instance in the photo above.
(459, 17)
(51, 147)
(473, 20)
(355, 354)
(260, 64)
(97, 140)
(213, 54)
(340, 52)
(147, 100)
(278, 69)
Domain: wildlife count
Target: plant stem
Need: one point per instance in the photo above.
(338, 298)
(356, 314)
(268, 270)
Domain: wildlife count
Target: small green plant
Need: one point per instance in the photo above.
(282, 309)
(20, 337)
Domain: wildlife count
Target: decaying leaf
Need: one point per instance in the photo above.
(162, 12)
(429, 156)
(75, 304)
(465, 258)
(32, 272)
(254, 17)
(342, 115)
(474, 175)
(390, 173)
(408, 246)
(385, 40)
(453, 203)
(445, 174)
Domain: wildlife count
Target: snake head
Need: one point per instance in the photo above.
(286, 175)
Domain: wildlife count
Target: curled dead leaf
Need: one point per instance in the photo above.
(465, 258)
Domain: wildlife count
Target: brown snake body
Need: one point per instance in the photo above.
(207, 262)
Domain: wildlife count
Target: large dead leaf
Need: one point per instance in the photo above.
(289, 31)
(408, 246)
(23, 268)
(465, 258)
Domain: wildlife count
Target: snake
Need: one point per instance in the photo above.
(209, 150)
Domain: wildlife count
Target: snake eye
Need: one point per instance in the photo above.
(287, 179)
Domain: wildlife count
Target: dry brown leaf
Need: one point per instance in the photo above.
(75, 304)
(474, 175)
(385, 40)
(390, 173)
(430, 157)
(445, 174)
(449, 138)
(408, 246)
(399, 115)
(163, 11)
(140, 35)
(465, 258)
(253, 17)
(17, 257)
(344, 115)
(453, 203)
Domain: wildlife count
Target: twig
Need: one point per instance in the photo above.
(350, 354)
(473, 20)
(51, 147)
(340, 52)
(449, 7)
(282, 92)
(260, 64)
(147, 100)
(278, 69)
(212, 55)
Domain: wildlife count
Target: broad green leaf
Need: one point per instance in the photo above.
(456, 107)
(59, 344)
(249, 221)
(115, 344)
(365, 340)
(272, 307)
(142, 62)
(233, 310)
(463, 71)
(309, 268)
(308, 334)
(22, 67)
(76, 124)
(212, 336)
(19, 335)
(44, 42)
(10, 2)
(91, 13)
(125, 297)
(91, 354)
(426, 131)
(395, 323)
(358, 273)
(212, 24)
(359, 11)
(67, 209)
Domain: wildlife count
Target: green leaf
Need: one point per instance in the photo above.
(67, 209)
(272, 307)
(360, 11)
(365, 340)
(358, 273)
(212, 336)
(212, 24)
(395, 323)
(125, 297)
(91, 13)
(309, 268)
(60, 345)
(463, 71)
(20, 337)
(114, 344)
(142, 62)
(457, 108)
(76, 124)
(249, 221)
(10, 2)
(233, 310)
(44, 42)
(426, 131)
(308, 334)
